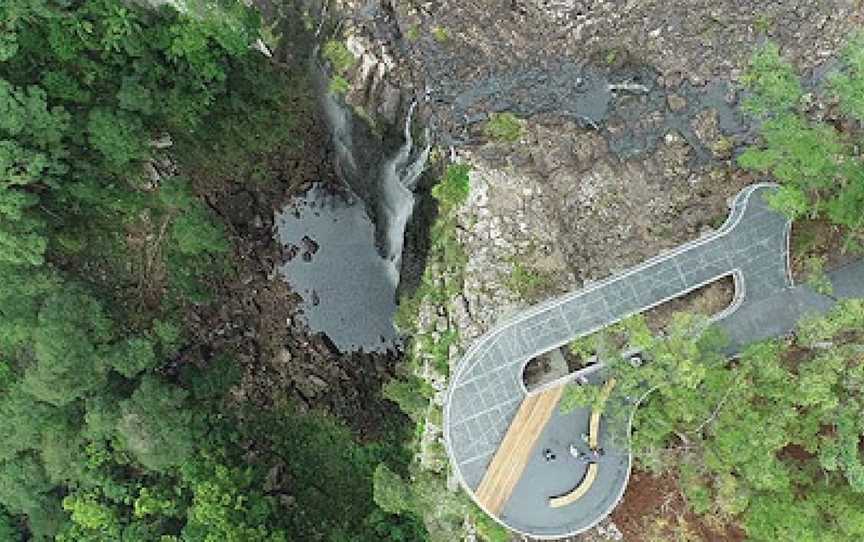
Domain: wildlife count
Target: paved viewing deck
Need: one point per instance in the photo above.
(486, 390)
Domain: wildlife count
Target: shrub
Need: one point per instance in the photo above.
(503, 127)
(338, 55)
(772, 81)
(454, 187)
(849, 84)
(338, 85)
(440, 34)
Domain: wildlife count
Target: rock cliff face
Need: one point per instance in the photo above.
(631, 112)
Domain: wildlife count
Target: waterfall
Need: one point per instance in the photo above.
(345, 255)
(384, 179)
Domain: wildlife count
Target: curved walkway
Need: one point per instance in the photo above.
(486, 390)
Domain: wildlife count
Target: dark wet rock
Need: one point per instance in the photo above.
(241, 209)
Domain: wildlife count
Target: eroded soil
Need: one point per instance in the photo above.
(654, 510)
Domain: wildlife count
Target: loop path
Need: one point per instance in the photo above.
(489, 414)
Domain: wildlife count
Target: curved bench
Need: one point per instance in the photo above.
(594, 430)
(594, 442)
(578, 491)
(594, 424)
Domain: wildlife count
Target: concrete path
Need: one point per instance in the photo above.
(486, 389)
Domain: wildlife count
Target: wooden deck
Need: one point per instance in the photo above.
(509, 461)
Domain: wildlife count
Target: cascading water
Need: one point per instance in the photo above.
(346, 247)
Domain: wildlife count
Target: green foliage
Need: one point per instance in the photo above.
(227, 505)
(329, 470)
(504, 127)
(578, 396)
(193, 241)
(796, 153)
(488, 529)
(92, 515)
(26, 488)
(22, 421)
(71, 328)
(820, 173)
(849, 84)
(772, 81)
(412, 394)
(442, 277)
(340, 58)
(192, 230)
(846, 316)
(391, 492)
(440, 34)
(437, 346)
(525, 281)
(6, 375)
(9, 531)
(726, 427)
(168, 335)
(845, 208)
(816, 276)
(339, 85)
(453, 188)
(30, 156)
(155, 425)
(111, 77)
(789, 200)
(442, 511)
(153, 501)
(117, 135)
(131, 357)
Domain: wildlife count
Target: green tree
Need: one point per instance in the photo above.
(724, 427)
(774, 84)
(227, 505)
(22, 421)
(849, 83)
(22, 291)
(155, 425)
(90, 514)
(71, 327)
(820, 173)
(118, 136)
(25, 488)
(31, 156)
(132, 356)
(392, 493)
(412, 394)
(9, 530)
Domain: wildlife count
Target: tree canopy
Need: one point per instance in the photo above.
(774, 431)
(820, 172)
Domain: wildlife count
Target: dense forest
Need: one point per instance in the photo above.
(115, 425)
